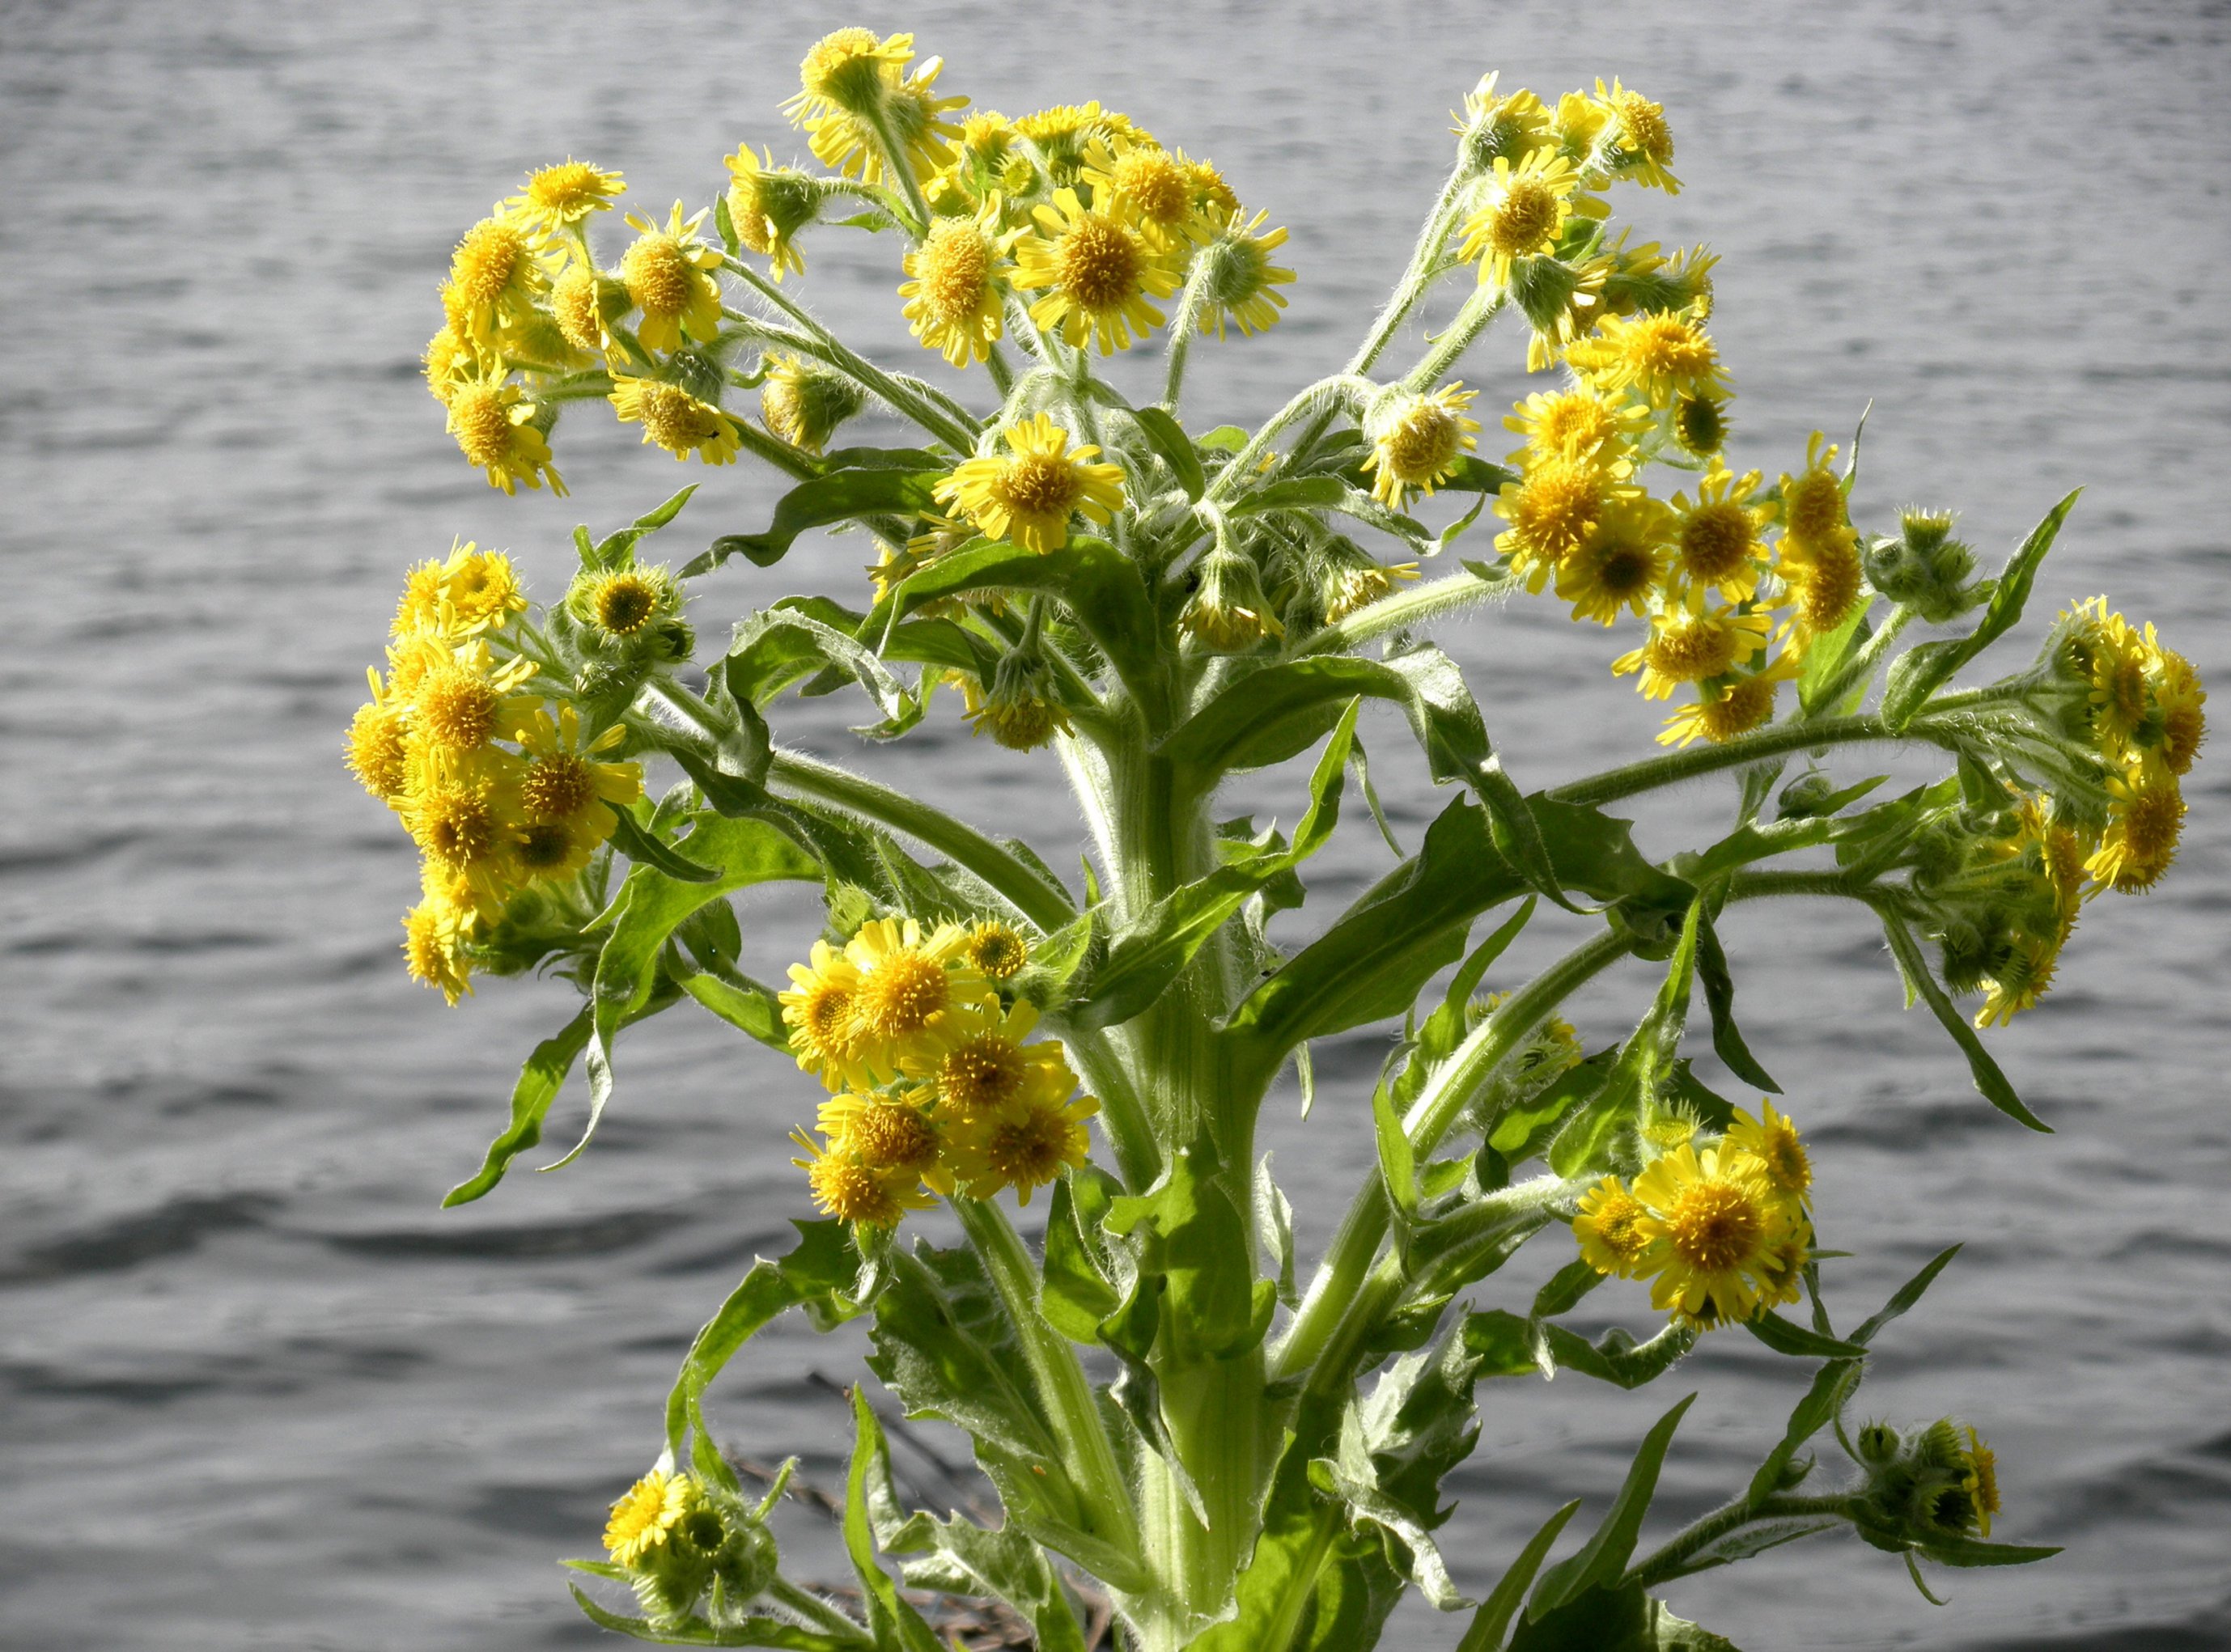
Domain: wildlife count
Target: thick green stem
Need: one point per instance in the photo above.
(1478, 315)
(1653, 772)
(1333, 1293)
(1342, 389)
(1665, 1562)
(1087, 1451)
(1044, 904)
(901, 169)
(1182, 326)
(1401, 609)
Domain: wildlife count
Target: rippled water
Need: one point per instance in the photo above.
(262, 1392)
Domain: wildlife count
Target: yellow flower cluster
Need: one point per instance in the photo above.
(2145, 716)
(496, 791)
(934, 1082)
(1721, 1232)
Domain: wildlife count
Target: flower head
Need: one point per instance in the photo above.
(1620, 563)
(1417, 440)
(768, 207)
(1240, 282)
(555, 198)
(1023, 1145)
(825, 1035)
(1520, 210)
(1145, 185)
(1743, 701)
(2145, 818)
(1607, 1228)
(1097, 271)
(1691, 644)
(1577, 423)
(674, 419)
(908, 108)
(1772, 1139)
(667, 275)
(1641, 142)
(493, 273)
(1715, 1228)
(1659, 355)
(997, 949)
(847, 71)
(493, 420)
(1717, 537)
(804, 403)
(1551, 507)
(852, 1191)
(908, 983)
(953, 298)
(1028, 493)
(980, 1059)
(650, 1509)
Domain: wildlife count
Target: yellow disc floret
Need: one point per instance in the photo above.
(1097, 272)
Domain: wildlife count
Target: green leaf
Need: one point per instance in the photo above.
(1077, 1292)
(1144, 956)
(1973, 1552)
(640, 845)
(1786, 1338)
(650, 905)
(1523, 1129)
(1720, 997)
(779, 646)
(1225, 438)
(1276, 713)
(964, 1558)
(1169, 440)
(890, 1617)
(616, 548)
(1190, 1232)
(838, 496)
(1590, 1138)
(1991, 1083)
(818, 1271)
(1397, 1164)
(744, 1003)
(1601, 1620)
(1920, 672)
(1906, 1294)
(1292, 494)
(1812, 1412)
(539, 1081)
(1826, 658)
(1495, 1613)
(1600, 1563)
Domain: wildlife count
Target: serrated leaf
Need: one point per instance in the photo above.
(838, 496)
(780, 646)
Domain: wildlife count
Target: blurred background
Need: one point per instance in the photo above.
(262, 1392)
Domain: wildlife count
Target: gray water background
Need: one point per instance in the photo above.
(262, 1392)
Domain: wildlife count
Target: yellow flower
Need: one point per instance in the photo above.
(566, 796)
(1980, 1480)
(451, 358)
(2145, 817)
(461, 699)
(1659, 355)
(577, 305)
(1358, 585)
(1714, 1227)
(436, 947)
(1013, 713)
(1228, 610)
(984, 155)
(2178, 691)
(997, 949)
(1620, 563)
(377, 751)
(954, 300)
(1823, 585)
(768, 207)
(667, 275)
(1028, 493)
(1576, 423)
(1688, 645)
(1023, 1145)
(1241, 280)
(2121, 706)
(2019, 975)
(1643, 143)
(1099, 272)
(1417, 440)
(913, 113)
(824, 1034)
(652, 1507)
(1495, 128)
(884, 1136)
(493, 422)
(557, 197)
(1553, 506)
(1060, 136)
(1610, 1241)
(1745, 702)
(1144, 185)
(1520, 210)
(1813, 508)
(493, 273)
(676, 420)
(804, 403)
(908, 983)
(471, 591)
(624, 600)
(848, 1190)
(847, 71)
(1717, 537)
(1772, 1139)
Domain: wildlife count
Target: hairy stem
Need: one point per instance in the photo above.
(1666, 1561)
(1653, 772)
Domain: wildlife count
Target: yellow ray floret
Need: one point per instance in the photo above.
(1098, 271)
(1717, 539)
(555, 198)
(825, 1034)
(1744, 701)
(1716, 1232)
(909, 110)
(847, 71)
(851, 1191)
(1024, 1144)
(1028, 493)
(1552, 507)
(1688, 645)
(493, 422)
(1521, 209)
(909, 982)
(1607, 1228)
(652, 1508)
(1620, 563)
(1641, 142)
(1576, 423)
(494, 274)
